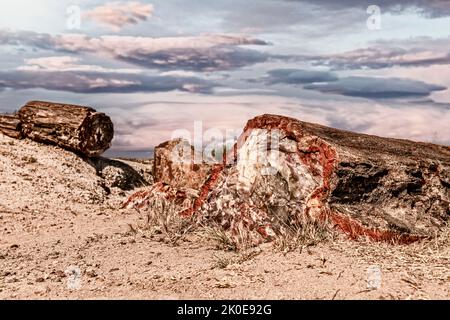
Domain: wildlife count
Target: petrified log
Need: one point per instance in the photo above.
(77, 128)
(286, 173)
(386, 189)
(10, 125)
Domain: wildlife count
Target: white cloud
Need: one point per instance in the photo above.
(124, 45)
(67, 73)
(67, 64)
(196, 53)
(116, 15)
(412, 52)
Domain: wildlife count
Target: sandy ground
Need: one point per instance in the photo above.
(63, 236)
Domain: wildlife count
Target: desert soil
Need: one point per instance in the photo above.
(56, 219)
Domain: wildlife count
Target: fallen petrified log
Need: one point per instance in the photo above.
(285, 173)
(10, 125)
(76, 128)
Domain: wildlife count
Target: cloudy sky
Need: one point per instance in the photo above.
(377, 66)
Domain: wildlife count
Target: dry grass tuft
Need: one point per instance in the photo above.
(220, 237)
(162, 217)
(222, 262)
(291, 237)
(304, 234)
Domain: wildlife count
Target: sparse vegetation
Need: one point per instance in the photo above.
(222, 262)
(305, 234)
(162, 217)
(220, 237)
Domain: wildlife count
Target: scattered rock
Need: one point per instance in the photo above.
(117, 174)
(91, 273)
(224, 284)
(12, 280)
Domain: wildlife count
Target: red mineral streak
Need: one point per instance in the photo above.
(354, 230)
(205, 190)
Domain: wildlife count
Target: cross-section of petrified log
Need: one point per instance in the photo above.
(10, 125)
(286, 172)
(77, 128)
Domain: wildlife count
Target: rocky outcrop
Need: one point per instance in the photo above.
(285, 173)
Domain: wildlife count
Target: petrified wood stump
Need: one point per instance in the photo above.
(174, 164)
(286, 173)
(76, 128)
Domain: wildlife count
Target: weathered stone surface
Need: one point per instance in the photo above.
(286, 172)
(174, 164)
(160, 194)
